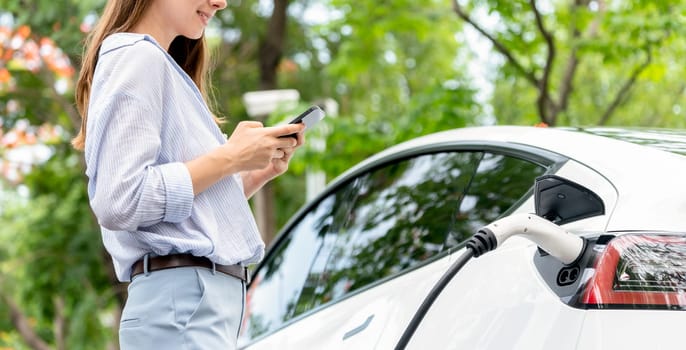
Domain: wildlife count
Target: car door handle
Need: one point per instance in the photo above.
(359, 328)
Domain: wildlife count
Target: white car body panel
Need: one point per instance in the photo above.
(499, 300)
(621, 329)
(327, 328)
(473, 312)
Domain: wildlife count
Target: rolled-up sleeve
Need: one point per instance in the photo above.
(178, 190)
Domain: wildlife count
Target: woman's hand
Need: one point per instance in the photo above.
(253, 180)
(252, 146)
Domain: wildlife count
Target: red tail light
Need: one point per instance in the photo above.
(639, 271)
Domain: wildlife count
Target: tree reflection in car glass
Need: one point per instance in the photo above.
(270, 301)
(499, 182)
(399, 216)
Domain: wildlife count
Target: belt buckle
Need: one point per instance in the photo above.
(246, 273)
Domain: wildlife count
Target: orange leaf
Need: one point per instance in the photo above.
(8, 55)
(4, 75)
(24, 31)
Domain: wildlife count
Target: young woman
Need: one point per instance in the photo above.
(169, 190)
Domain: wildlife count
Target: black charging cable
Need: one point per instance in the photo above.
(481, 242)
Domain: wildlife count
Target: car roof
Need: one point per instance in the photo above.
(605, 149)
(671, 140)
(647, 178)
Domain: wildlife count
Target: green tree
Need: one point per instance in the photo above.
(392, 68)
(56, 284)
(578, 62)
(56, 271)
(395, 71)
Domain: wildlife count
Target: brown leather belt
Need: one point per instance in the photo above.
(156, 263)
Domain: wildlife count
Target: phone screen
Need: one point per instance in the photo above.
(309, 117)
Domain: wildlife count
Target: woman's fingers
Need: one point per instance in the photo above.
(279, 153)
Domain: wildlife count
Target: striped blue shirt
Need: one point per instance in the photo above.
(145, 119)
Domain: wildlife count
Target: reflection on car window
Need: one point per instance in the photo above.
(398, 216)
(498, 183)
(379, 224)
(271, 299)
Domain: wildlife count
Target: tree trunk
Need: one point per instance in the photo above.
(271, 48)
(271, 51)
(23, 326)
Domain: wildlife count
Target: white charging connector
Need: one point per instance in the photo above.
(550, 237)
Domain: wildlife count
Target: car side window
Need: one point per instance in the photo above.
(498, 183)
(272, 296)
(398, 216)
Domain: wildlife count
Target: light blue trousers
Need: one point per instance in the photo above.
(182, 308)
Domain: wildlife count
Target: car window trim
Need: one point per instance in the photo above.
(547, 159)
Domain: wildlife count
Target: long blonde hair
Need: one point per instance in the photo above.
(120, 16)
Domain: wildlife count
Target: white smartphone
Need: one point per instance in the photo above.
(309, 117)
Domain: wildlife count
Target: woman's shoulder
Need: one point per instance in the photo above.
(134, 43)
(126, 57)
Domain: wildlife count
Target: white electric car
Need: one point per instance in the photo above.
(382, 259)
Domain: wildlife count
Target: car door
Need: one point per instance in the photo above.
(393, 220)
(504, 299)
